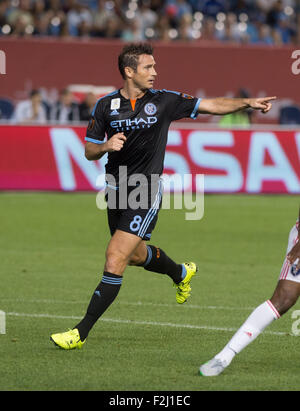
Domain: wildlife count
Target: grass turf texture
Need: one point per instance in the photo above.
(52, 254)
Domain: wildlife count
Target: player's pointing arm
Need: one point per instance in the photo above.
(223, 105)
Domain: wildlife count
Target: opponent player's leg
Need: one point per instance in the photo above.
(284, 297)
(119, 249)
(156, 260)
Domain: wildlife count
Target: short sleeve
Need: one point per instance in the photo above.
(95, 132)
(182, 105)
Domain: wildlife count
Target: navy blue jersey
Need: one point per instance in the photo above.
(145, 127)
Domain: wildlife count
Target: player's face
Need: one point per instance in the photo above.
(145, 73)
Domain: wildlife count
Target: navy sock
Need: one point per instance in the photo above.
(158, 262)
(102, 298)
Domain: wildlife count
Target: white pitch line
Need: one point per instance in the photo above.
(137, 303)
(192, 306)
(119, 321)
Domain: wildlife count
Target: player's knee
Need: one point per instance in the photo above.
(115, 261)
(135, 260)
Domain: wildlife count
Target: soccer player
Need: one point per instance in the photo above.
(284, 297)
(136, 119)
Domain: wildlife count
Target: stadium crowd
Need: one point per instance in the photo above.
(37, 109)
(243, 21)
(65, 109)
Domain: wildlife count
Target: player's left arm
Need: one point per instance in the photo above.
(224, 105)
(294, 254)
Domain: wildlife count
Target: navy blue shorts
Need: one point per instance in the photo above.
(135, 211)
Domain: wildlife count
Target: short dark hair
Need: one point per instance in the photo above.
(65, 92)
(34, 92)
(130, 55)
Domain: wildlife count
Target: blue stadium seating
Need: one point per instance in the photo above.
(6, 109)
(289, 115)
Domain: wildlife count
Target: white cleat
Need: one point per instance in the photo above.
(213, 367)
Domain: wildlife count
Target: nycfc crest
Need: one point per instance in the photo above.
(150, 109)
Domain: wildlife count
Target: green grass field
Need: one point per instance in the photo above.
(52, 255)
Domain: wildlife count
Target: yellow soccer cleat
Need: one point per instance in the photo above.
(183, 289)
(68, 340)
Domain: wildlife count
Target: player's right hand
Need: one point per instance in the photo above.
(116, 142)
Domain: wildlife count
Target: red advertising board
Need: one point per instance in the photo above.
(232, 161)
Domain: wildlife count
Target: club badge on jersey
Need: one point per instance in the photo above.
(294, 270)
(150, 109)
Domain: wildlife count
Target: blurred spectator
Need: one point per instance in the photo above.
(285, 29)
(209, 29)
(297, 40)
(113, 27)
(177, 8)
(212, 7)
(274, 13)
(21, 18)
(79, 19)
(100, 17)
(4, 7)
(264, 34)
(162, 28)
(185, 31)
(229, 30)
(239, 118)
(65, 110)
(87, 106)
(132, 31)
(146, 17)
(265, 5)
(31, 110)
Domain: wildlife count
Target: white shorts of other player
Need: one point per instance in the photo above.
(287, 269)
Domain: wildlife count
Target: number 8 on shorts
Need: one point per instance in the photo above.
(136, 223)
